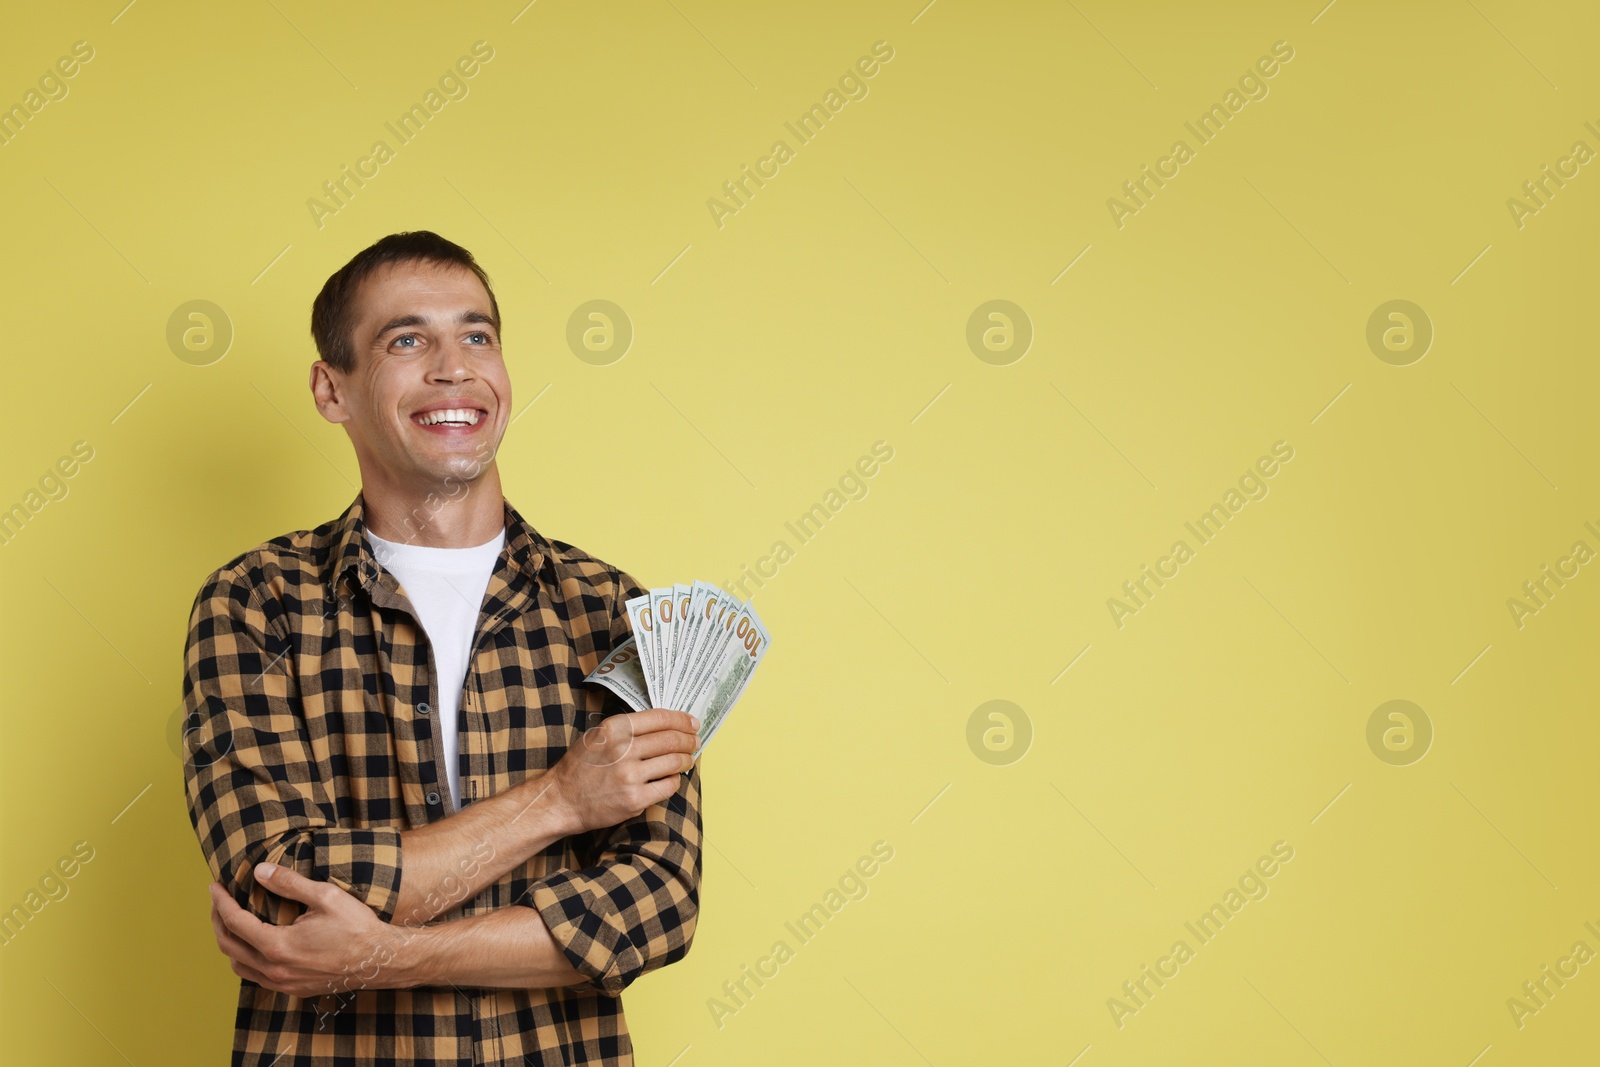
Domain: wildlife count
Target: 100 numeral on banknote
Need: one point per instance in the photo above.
(694, 648)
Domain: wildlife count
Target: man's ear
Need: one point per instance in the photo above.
(328, 390)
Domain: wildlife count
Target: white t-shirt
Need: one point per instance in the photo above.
(446, 586)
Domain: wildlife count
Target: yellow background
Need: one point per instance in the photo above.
(769, 354)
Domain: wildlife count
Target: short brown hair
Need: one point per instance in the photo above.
(333, 309)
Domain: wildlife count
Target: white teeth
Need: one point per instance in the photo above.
(453, 416)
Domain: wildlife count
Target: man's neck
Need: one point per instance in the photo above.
(435, 518)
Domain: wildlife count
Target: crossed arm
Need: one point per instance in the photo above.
(339, 944)
(269, 823)
(623, 767)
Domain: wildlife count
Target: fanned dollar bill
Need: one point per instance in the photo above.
(694, 648)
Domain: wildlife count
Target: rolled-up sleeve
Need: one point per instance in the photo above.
(634, 908)
(254, 789)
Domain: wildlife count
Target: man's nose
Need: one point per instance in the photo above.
(449, 365)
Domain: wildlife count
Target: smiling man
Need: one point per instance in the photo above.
(432, 843)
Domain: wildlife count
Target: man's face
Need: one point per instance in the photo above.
(426, 350)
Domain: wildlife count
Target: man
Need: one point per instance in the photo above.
(432, 843)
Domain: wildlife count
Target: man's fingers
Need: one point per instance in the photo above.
(287, 882)
(241, 924)
(667, 766)
(661, 719)
(661, 742)
(620, 736)
(216, 916)
(662, 790)
(221, 932)
(234, 918)
(246, 971)
(231, 946)
(241, 951)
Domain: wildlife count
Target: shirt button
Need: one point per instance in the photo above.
(433, 798)
(422, 708)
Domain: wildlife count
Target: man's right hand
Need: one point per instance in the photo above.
(623, 766)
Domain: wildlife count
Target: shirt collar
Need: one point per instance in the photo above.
(351, 552)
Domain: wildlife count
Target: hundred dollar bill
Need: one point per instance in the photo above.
(732, 626)
(641, 619)
(714, 632)
(661, 607)
(736, 661)
(693, 648)
(669, 624)
(681, 595)
(622, 673)
(701, 595)
(685, 639)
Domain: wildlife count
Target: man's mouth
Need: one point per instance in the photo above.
(452, 421)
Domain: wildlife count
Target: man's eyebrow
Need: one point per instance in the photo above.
(419, 320)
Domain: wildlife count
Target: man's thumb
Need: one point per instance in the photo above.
(284, 881)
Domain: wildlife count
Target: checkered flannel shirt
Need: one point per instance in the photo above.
(309, 743)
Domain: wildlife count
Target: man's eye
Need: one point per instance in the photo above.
(481, 334)
(406, 337)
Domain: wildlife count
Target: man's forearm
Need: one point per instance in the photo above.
(452, 860)
(508, 948)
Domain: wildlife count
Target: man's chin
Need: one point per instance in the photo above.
(450, 478)
(462, 476)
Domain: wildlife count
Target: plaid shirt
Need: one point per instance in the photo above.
(308, 684)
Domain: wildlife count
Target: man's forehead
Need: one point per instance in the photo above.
(413, 286)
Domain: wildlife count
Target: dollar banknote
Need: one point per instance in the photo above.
(694, 648)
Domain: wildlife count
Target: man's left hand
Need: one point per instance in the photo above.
(336, 945)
